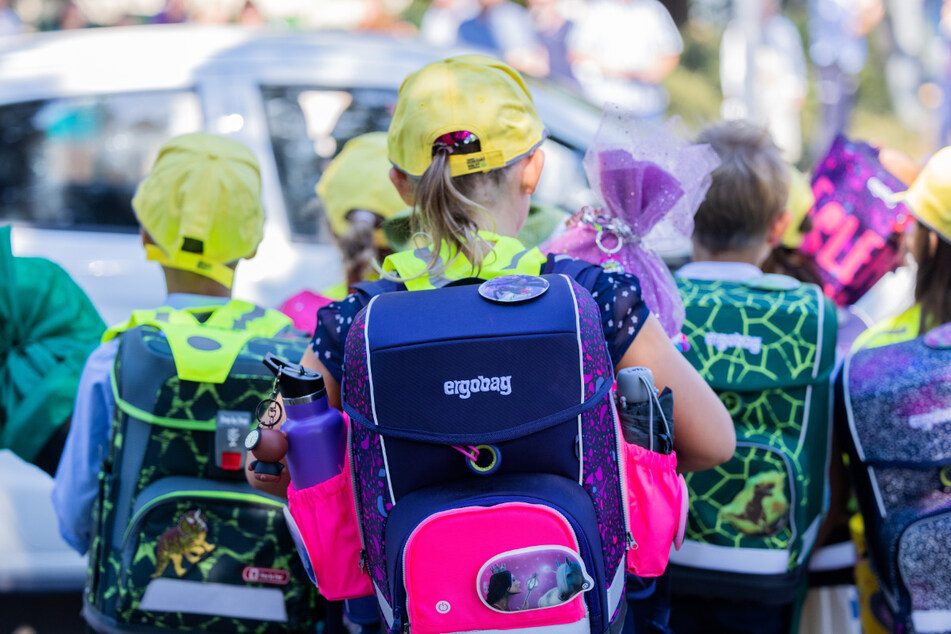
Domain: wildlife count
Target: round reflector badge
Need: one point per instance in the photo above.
(511, 289)
(939, 338)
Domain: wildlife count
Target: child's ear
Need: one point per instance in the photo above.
(403, 185)
(774, 237)
(533, 171)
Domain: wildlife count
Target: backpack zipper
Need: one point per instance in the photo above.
(622, 475)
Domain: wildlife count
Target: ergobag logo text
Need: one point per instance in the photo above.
(467, 387)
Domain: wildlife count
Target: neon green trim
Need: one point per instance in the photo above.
(205, 351)
(508, 257)
(152, 419)
(219, 495)
(491, 465)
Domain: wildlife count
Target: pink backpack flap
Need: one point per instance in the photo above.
(326, 522)
(856, 225)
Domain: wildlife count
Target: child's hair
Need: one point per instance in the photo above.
(458, 126)
(933, 283)
(749, 189)
(447, 211)
(358, 196)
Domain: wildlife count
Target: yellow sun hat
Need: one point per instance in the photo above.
(359, 178)
(201, 205)
(929, 197)
(471, 93)
(801, 200)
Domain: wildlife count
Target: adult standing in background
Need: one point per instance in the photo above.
(838, 49)
(440, 23)
(553, 29)
(621, 52)
(763, 73)
(507, 29)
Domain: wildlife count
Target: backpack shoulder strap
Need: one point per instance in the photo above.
(584, 273)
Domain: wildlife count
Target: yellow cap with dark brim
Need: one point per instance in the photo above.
(470, 93)
(201, 205)
(929, 197)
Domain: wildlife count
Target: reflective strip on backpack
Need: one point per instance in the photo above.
(204, 351)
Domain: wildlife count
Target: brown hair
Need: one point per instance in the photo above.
(749, 188)
(358, 248)
(933, 282)
(447, 211)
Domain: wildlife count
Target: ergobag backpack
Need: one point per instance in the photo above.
(484, 456)
(767, 347)
(182, 542)
(897, 405)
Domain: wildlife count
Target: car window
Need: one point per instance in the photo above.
(74, 163)
(309, 126)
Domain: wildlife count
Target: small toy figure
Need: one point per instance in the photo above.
(269, 446)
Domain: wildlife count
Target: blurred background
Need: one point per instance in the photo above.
(890, 57)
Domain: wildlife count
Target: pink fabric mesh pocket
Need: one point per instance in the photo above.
(657, 504)
(327, 521)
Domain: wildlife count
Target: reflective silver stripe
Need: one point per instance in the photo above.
(931, 620)
(833, 557)
(216, 599)
(757, 561)
(616, 589)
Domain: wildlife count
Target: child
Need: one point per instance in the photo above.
(199, 212)
(929, 200)
(464, 144)
(742, 219)
(358, 197)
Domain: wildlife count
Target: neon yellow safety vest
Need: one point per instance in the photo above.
(508, 257)
(903, 327)
(204, 351)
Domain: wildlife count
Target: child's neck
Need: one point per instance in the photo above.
(178, 281)
(753, 255)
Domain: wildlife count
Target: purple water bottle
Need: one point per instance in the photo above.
(316, 437)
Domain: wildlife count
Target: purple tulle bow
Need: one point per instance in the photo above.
(650, 182)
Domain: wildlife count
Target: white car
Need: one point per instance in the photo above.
(82, 115)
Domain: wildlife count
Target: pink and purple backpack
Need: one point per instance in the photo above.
(485, 458)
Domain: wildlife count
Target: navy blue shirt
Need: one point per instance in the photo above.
(618, 295)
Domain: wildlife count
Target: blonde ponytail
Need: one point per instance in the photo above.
(448, 214)
(358, 248)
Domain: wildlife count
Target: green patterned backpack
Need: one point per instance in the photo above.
(767, 347)
(183, 543)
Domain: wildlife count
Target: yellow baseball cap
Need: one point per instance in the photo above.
(359, 178)
(801, 200)
(471, 93)
(201, 205)
(929, 197)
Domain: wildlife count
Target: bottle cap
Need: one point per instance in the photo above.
(298, 385)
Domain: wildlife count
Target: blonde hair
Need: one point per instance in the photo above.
(358, 247)
(447, 212)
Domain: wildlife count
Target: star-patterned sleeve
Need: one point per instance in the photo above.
(623, 310)
(333, 324)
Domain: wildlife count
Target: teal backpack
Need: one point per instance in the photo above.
(182, 542)
(767, 347)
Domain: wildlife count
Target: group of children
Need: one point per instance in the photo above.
(464, 153)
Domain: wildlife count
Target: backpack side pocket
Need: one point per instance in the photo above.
(327, 522)
(657, 505)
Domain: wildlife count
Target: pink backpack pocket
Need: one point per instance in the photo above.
(657, 504)
(520, 567)
(326, 519)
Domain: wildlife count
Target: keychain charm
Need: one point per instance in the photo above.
(266, 444)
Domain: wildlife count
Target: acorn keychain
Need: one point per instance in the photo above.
(266, 444)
